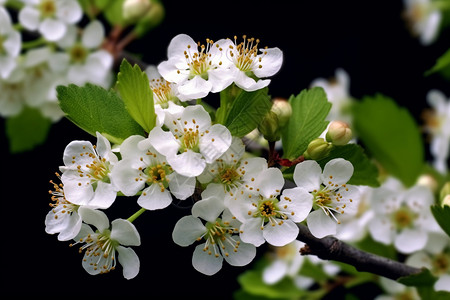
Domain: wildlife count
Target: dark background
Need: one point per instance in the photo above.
(369, 39)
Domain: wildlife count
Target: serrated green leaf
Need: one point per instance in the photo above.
(390, 134)
(443, 62)
(93, 109)
(27, 130)
(309, 110)
(365, 172)
(247, 111)
(442, 216)
(137, 95)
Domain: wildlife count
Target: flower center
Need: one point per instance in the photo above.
(199, 62)
(190, 139)
(268, 211)
(403, 218)
(78, 53)
(219, 236)
(99, 168)
(229, 175)
(59, 201)
(2, 41)
(162, 91)
(47, 8)
(441, 263)
(245, 54)
(158, 174)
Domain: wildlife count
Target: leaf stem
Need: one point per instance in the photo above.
(136, 215)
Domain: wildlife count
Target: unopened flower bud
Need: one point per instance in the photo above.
(318, 149)
(444, 195)
(428, 181)
(133, 10)
(152, 18)
(339, 133)
(282, 108)
(269, 127)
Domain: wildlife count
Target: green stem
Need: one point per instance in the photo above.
(136, 215)
(33, 44)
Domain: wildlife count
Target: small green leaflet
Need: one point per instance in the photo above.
(424, 282)
(365, 172)
(442, 216)
(92, 108)
(247, 111)
(391, 135)
(27, 130)
(134, 89)
(309, 110)
(442, 65)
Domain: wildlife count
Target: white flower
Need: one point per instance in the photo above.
(338, 93)
(12, 97)
(249, 65)
(10, 44)
(330, 194)
(438, 126)
(264, 217)
(50, 17)
(424, 19)
(196, 71)
(402, 217)
(165, 95)
(101, 246)
(396, 291)
(83, 58)
(221, 242)
(142, 165)
(63, 218)
(227, 175)
(86, 174)
(192, 141)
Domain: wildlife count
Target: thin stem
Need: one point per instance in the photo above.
(34, 43)
(136, 215)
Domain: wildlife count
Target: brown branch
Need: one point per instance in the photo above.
(330, 248)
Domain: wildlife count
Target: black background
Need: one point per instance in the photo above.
(369, 39)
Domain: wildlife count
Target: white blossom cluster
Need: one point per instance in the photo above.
(47, 48)
(243, 202)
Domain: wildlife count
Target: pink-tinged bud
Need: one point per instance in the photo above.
(318, 149)
(339, 133)
(133, 10)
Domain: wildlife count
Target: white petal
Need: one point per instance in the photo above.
(170, 72)
(270, 182)
(194, 116)
(181, 186)
(307, 175)
(243, 256)
(187, 230)
(299, 205)
(275, 271)
(320, 224)
(124, 232)
(163, 141)
(220, 79)
(73, 150)
(104, 148)
(194, 88)
(240, 205)
(280, 235)
(251, 232)
(253, 167)
(188, 163)
(249, 84)
(29, 17)
(380, 230)
(93, 35)
(271, 62)
(410, 240)
(214, 143)
(430, 28)
(13, 44)
(94, 217)
(104, 195)
(69, 11)
(443, 283)
(154, 197)
(77, 190)
(210, 208)
(129, 261)
(124, 176)
(52, 30)
(179, 44)
(337, 170)
(205, 263)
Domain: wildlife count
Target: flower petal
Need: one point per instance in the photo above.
(163, 141)
(320, 224)
(93, 35)
(251, 232)
(242, 256)
(181, 186)
(411, 240)
(124, 232)
(338, 171)
(154, 197)
(214, 143)
(205, 263)
(196, 117)
(271, 61)
(94, 217)
(307, 175)
(298, 205)
(275, 271)
(280, 235)
(209, 208)
(69, 11)
(194, 88)
(129, 261)
(52, 30)
(127, 177)
(269, 182)
(104, 195)
(187, 230)
(29, 17)
(188, 163)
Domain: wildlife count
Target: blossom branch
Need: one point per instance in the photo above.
(330, 248)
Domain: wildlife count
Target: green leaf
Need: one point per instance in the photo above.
(368, 244)
(390, 134)
(247, 111)
(27, 130)
(135, 91)
(113, 12)
(365, 172)
(442, 216)
(309, 110)
(93, 109)
(424, 282)
(443, 62)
